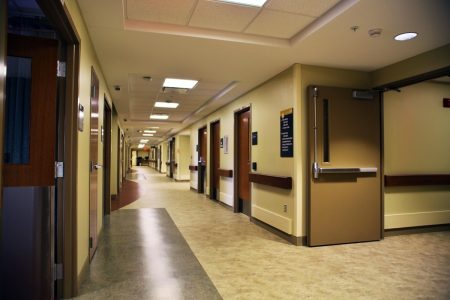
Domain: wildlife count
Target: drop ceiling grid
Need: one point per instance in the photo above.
(161, 11)
(309, 8)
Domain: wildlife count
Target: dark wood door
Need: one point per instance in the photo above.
(172, 157)
(202, 158)
(30, 112)
(106, 158)
(243, 161)
(94, 165)
(215, 160)
(345, 184)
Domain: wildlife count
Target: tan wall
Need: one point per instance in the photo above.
(425, 62)
(163, 157)
(182, 157)
(266, 102)
(312, 75)
(88, 59)
(417, 141)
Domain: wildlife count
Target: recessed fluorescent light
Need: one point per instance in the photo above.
(159, 117)
(147, 134)
(154, 127)
(143, 141)
(257, 3)
(166, 104)
(149, 131)
(140, 146)
(405, 36)
(179, 83)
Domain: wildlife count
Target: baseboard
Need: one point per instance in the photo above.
(416, 219)
(417, 229)
(295, 240)
(227, 199)
(273, 219)
(182, 180)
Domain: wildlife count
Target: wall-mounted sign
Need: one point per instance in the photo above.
(287, 133)
(255, 138)
(225, 144)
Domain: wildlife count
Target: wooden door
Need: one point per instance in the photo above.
(345, 184)
(30, 114)
(106, 158)
(94, 165)
(243, 162)
(172, 157)
(202, 158)
(215, 160)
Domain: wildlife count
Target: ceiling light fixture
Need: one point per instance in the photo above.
(149, 131)
(147, 134)
(140, 146)
(154, 127)
(159, 117)
(179, 83)
(256, 3)
(166, 104)
(143, 141)
(405, 36)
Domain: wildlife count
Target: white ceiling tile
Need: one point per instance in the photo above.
(222, 16)
(305, 7)
(278, 24)
(162, 11)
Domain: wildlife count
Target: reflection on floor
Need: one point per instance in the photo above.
(130, 192)
(245, 261)
(142, 255)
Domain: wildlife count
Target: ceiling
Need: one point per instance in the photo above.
(231, 49)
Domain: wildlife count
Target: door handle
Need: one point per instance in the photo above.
(98, 167)
(94, 166)
(317, 170)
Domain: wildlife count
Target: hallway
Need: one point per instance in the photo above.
(244, 261)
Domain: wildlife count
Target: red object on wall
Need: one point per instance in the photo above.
(446, 102)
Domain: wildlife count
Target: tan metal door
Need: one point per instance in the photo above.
(345, 182)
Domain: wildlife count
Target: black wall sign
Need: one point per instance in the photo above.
(255, 138)
(287, 133)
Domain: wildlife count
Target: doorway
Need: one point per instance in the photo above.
(345, 198)
(202, 158)
(215, 160)
(171, 157)
(106, 134)
(242, 197)
(94, 165)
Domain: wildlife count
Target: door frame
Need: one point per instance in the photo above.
(200, 147)
(106, 133)
(212, 158)
(236, 156)
(60, 18)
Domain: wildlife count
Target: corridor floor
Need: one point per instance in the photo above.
(244, 261)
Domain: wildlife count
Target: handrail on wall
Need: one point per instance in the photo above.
(416, 180)
(275, 181)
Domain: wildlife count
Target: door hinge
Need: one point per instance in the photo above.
(91, 242)
(61, 69)
(58, 272)
(59, 169)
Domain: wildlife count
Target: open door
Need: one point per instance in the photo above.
(242, 158)
(27, 253)
(345, 158)
(94, 165)
(202, 159)
(215, 161)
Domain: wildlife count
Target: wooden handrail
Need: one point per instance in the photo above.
(193, 168)
(225, 173)
(275, 181)
(416, 180)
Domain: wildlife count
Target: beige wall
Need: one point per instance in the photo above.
(88, 59)
(313, 75)
(266, 101)
(182, 157)
(417, 141)
(163, 157)
(425, 62)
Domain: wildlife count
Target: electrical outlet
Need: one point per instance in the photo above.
(285, 208)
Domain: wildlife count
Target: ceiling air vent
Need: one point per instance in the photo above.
(172, 90)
